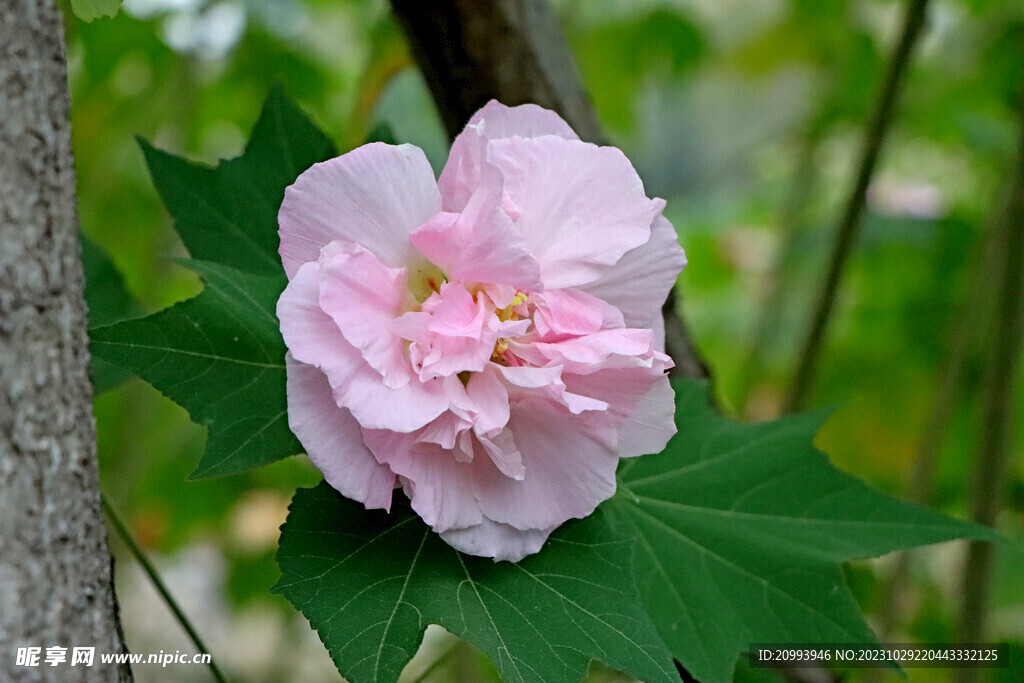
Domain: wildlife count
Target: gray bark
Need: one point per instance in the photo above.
(55, 568)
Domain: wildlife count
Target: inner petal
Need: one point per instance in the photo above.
(363, 297)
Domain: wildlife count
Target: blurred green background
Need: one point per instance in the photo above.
(745, 115)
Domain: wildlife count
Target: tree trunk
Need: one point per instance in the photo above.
(55, 568)
(513, 51)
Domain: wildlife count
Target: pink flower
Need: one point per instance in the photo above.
(491, 341)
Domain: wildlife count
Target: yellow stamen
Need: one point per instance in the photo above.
(499, 349)
(507, 313)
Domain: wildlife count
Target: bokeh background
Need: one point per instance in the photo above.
(746, 115)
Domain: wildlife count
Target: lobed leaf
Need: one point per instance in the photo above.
(370, 582)
(220, 356)
(228, 214)
(740, 530)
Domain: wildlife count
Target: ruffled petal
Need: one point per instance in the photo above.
(639, 282)
(333, 440)
(480, 244)
(497, 540)
(402, 409)
(364, 297)
(505, 455)
(571, 312)
(373, 196)
(434, 480)
(461, 175)
(311, 335)
(593, 352)
(490, 401)
(641, 405)
(570, 463)
(581, 207)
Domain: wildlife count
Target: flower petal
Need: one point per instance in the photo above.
(504, 454)
(581, 207)
(461, 175)
(639, 282)
(641, 405)
(590, 353)
(434, 480)
(333, 440)
(570, 463)
(490, 401)
(497, 540)
(480, 244)
(402, 409)
(374, 196)
(364, 297)
(571, 312)
(313, 337)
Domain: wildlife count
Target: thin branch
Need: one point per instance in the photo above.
(850, 222)
(158, 583)
(994, 444)
(791, 225)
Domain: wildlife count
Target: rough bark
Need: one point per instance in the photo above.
(473, 51)
(55, 568)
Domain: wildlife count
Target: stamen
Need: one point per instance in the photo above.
(508, 313)
(500, 347)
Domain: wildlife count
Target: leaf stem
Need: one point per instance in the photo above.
(792, 223)
(154, 577)
(850, 221)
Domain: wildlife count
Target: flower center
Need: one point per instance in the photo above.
(504, 315)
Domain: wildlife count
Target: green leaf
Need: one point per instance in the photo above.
(740, 530)
(370, 582)
(219, 355)
(108, 302)
(228, 214)
(87, 10)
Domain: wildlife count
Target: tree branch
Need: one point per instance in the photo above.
(849, 224)
(473, 51)
(55, 567)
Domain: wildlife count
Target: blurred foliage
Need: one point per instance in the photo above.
(744, 114)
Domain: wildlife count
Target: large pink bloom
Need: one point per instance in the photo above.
(489, 341)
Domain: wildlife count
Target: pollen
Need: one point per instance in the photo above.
(509, 313)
